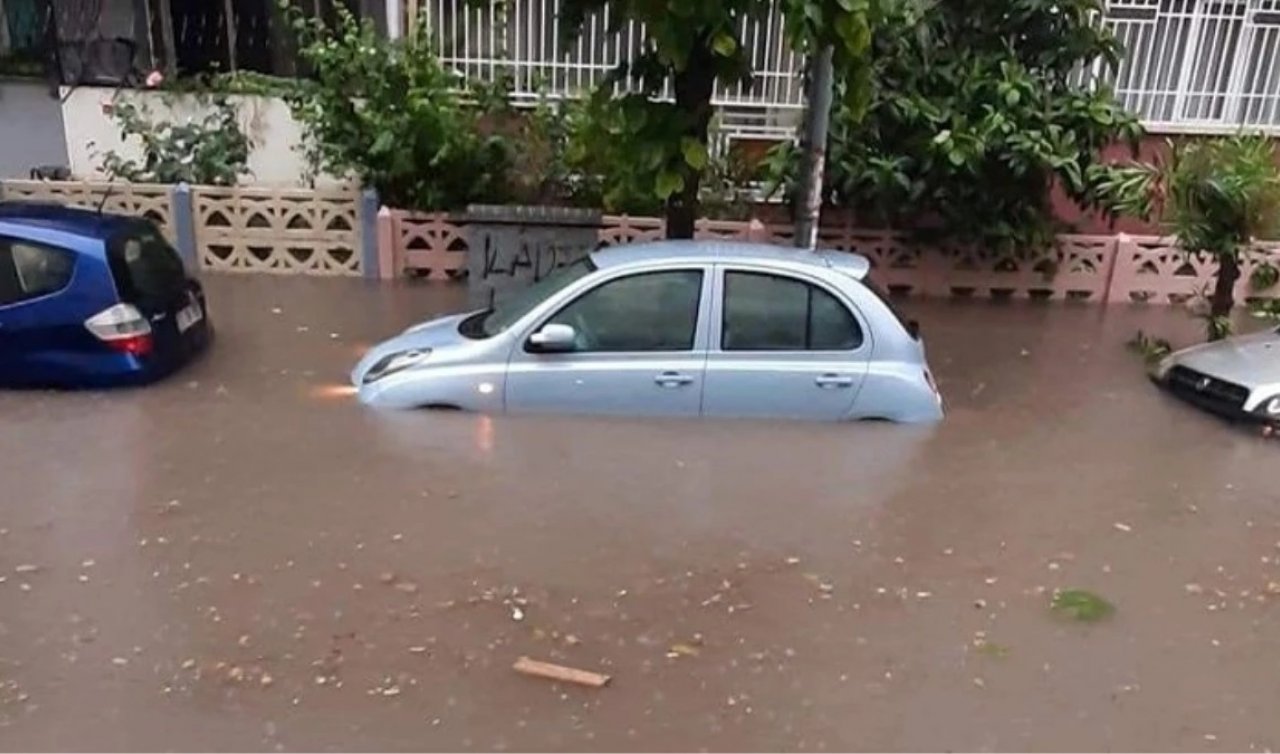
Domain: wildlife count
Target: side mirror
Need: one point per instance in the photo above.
(553, 338)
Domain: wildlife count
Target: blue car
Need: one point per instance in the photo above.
(90, 299)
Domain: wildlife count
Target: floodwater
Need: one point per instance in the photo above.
(242, 559)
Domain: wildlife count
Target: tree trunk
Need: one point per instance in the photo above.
(1223, 300)
(693, 88)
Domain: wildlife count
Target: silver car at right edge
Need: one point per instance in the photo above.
(1238, 377)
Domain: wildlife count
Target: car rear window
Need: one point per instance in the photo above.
(145, 266)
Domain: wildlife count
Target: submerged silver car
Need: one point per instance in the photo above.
(1238, 378)
(683, 328)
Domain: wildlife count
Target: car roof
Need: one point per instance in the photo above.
(849, 263)
(75, 221)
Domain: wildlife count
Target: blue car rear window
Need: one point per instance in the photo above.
(145, 266)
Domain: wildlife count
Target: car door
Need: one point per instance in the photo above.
(639, 348)
(784, 346)
(33, 320)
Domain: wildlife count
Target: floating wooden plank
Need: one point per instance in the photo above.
(560, 673)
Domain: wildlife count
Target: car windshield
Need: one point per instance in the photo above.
(509, 312)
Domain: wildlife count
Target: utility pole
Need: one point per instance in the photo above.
(817, 124)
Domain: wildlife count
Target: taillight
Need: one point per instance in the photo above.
(122, 328)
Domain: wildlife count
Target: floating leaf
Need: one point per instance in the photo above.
(1081, 605)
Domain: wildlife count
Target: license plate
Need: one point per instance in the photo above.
(189, 316)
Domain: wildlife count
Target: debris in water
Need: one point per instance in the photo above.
(1122, 527)
(516, 613)
(1193, 588)
(682, 650)
(793, 561)
(26, 568)
(1081, 605)
(119, 661)
(526, 666)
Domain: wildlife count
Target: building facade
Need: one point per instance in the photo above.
(1190, 66)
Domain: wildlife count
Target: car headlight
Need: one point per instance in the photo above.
(396, 362)
(1163, 366)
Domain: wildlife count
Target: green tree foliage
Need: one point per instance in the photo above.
(1216, 196)
(389, 113)
(211, 150)
(695, 45)
(975, 111)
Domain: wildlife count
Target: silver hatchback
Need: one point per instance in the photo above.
(674, 328)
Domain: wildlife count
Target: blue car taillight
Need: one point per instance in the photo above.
(122, 328)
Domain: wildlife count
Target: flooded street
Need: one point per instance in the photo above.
(240, 558)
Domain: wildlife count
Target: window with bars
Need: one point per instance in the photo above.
(1198, 64)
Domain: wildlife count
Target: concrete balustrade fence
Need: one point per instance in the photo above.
(1092, 268)
(236, 229)
(344, 232)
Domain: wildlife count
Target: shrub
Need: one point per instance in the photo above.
(388, 113)
(211, 150)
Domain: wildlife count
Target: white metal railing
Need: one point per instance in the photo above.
(522, 39)
(1189, 65)
(1198, 65)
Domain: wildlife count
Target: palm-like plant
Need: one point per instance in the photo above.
(1216, 196)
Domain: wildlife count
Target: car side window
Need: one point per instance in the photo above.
(30, 270)
(650, 311)
(765, 312)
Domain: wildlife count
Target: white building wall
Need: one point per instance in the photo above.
(275, 160)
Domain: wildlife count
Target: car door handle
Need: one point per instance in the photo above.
(832, 381)
(673, 379)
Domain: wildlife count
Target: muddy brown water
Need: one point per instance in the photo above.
(235, 559)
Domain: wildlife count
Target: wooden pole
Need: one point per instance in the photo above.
(229, 17)
(560, 673)
(166, 38)
(4, 29)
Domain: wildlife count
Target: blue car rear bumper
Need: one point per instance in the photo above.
(78, 369)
